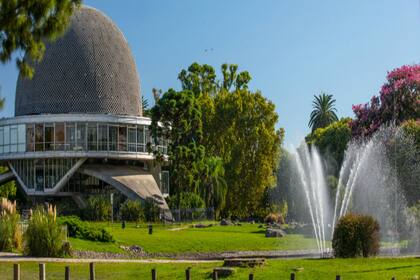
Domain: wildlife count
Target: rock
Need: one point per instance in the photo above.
(274, 232)
(202, 225)
(239, 262)
(225, 222)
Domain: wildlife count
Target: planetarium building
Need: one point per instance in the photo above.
(78, 128)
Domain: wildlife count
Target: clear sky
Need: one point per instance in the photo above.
(292, 48)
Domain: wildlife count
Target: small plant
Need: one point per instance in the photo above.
(151, 210)
(98, 209)
(274, 218)
(83, 230)
(10, 231)
(44, 236)
(356, 235)
(132, 211)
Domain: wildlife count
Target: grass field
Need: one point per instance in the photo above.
(349, 269)
(183, 239)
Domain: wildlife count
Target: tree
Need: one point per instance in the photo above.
(25, 25)
(332, 142)
(323, 113)
(145, 106)
(398, 101)
(179, 114)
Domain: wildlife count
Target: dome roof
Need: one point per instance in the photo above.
(88, 70)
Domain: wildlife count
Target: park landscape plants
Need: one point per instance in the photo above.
(10, 232)
(84, 230)
(44, 236)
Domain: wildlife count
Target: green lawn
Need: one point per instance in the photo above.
(350, 269)
(164, 239)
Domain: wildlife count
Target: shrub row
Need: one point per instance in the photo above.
(83, 230)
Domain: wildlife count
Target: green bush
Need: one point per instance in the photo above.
(83, 230)
(98, 209)
(151, 211)
(10, 232)
(44, 236)
(186, 200)
(132, 211)
(356, 235)
(274, 218)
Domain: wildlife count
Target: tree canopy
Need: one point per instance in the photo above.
(323, 112)
(25, 25)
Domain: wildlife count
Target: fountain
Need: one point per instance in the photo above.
(370, 182)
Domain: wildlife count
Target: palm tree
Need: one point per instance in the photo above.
(214, 188)
(323, 113)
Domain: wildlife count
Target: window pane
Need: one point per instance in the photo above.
(59, 136)
(113, 136)
(140, 139)
(49, 137)
(39, 137)
(81, 137)
(21, 137)
(132, 139)
(92, 137)
(122, 138)
(102, 137)
(70, 136)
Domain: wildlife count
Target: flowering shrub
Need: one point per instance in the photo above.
(399, 100)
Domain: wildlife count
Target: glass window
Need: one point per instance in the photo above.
(13, 138)
(21, 137)
(81, 137)
(39, 175)
(39, 137)
(140, 139)
(92, 137)
(49, 136)
(70, 136)
(122, 138)
(1, 139)
(132, 139)
(6, 139)
(59, 136)
(113, 136)
(102, 137)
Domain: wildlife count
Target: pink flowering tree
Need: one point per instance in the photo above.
(398, 100)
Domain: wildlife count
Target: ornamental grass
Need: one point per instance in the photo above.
(10, 230)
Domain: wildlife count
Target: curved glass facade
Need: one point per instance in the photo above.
(76, 136)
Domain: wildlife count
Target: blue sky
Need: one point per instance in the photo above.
(292, 48)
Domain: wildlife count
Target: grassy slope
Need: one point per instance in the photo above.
(350, 269)
(213, 239)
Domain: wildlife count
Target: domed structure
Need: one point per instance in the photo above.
(78, 129)
(88, 70)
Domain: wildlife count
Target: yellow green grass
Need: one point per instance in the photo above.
(349, 269)
(185, 239)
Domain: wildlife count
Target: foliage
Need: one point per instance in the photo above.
(243, 135)
(186, 200)
(25, 25)
(223, 141)
(98, 209)
(145, 106)
(132, 211)
(83, 230)
(412, 128)
(10, 231)
(180, 116)
(151, 210)
(332, 142)
(8, 189)
(398, 101)
(274, 218)
(323, 113)
(44, 236)
(414, 227)
(214, 187)
(356, 235)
